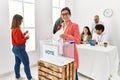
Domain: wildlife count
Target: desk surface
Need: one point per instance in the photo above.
(96, 48)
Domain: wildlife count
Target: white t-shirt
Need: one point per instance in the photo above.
(85, 38)
(100, 38)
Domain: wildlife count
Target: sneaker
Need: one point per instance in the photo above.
(21, 78)
(32, 79)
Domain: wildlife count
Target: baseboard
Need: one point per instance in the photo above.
(11, 72)
(6, 74)
(85, 76)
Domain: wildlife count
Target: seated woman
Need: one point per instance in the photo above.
(86, 35)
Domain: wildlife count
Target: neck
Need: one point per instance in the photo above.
(66, 23)
(99, 33)
(85, 33)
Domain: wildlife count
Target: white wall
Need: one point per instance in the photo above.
(84, 10)
(43, 31)
(70, 4)
(43, 20)
(6, 59)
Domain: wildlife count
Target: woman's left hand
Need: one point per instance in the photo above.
(64, 36)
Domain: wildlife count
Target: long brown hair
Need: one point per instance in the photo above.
(89, 33)
(16, 22)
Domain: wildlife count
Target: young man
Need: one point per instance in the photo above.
(99, 37)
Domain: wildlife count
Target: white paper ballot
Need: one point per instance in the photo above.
(56, 36)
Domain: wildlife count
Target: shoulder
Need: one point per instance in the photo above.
(94, 35)
(81, 34)
(93, 23)
(100, 22)
(105, 34)
(16, 29)
(74, 24)
(89, 35)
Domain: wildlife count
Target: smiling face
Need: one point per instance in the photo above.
(96, 19)
(65, 15)
(85, 31)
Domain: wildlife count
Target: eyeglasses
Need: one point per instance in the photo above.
(65, 14)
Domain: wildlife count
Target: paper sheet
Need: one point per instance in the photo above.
(56, 36)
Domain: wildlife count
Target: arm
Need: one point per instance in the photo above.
(105, 38)
(94, 38)
(76, 35)
(19, 37)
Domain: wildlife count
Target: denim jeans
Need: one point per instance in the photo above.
(76, 75)
(21, 56)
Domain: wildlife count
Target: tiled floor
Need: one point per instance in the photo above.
(34, 72)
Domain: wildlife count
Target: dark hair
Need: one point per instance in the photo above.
(99, 27)
(66, 8)
(96, 16)
(16, 22)
(57, 24)
(89, 33)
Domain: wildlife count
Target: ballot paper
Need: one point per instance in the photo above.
(56, 36)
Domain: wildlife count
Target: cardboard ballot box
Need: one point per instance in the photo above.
(59, 68)
(54, 49)
(48, 48)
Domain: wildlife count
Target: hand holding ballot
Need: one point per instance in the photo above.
(64, 36)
